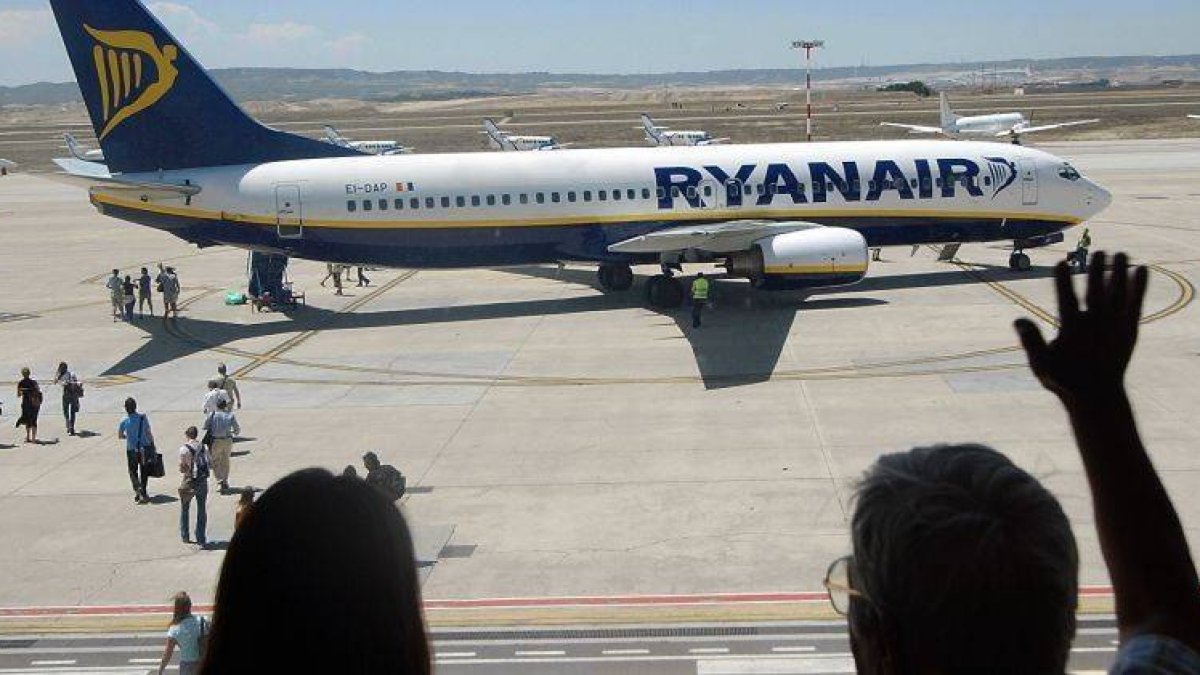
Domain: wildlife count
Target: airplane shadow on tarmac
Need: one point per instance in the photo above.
(740, 342)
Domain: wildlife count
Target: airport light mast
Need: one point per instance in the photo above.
(808, 46)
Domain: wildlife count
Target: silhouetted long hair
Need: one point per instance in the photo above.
(320, 577)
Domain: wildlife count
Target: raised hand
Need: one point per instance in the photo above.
(1088, 358)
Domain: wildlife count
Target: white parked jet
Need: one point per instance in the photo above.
(504, 141)
(1013, 125)
(663, 136)
(186, 160)
(1195, 117)
(370, 147)
(82, 153)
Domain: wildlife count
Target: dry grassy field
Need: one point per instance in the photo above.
(607, 118)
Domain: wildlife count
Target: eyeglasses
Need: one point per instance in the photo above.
(837, 584)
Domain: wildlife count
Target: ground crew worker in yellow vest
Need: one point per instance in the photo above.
(1081, 250)
(699, 298)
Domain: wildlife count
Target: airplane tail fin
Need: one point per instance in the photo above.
(499, 138)
(335, 137)
(72, 145)
(653, 131)
(948, 116)
(152, 105)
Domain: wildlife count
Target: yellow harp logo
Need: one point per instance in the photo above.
(122, 58)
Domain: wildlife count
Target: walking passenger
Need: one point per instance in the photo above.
(168, 283)
(31, 403)
(245, 503)
(230, 387)
(145, 297)
(135, 429)
(127, 289)
(116, 294)
(189, 634)
(362, 277)
(72, 391)
(214, 396)
(222, 426)
(194, 464)
(385, 478)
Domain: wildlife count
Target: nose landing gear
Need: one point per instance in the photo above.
(1019, 262)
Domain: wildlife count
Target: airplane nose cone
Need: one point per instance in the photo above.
(1097, 199)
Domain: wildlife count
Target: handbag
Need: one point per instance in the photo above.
(152, 461)
(187, 489)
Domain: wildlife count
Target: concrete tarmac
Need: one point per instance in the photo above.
(816, 648)
(561, 442)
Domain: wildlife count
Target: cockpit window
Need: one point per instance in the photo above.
(1067, 171)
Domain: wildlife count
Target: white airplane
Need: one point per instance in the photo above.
(1195, 117)
(369, 147)
(183, 158)
(504, 141)
(80, 152)
(1013, 125)
(6, 166)
(663, 136)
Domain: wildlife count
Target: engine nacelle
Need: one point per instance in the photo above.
(812, 258)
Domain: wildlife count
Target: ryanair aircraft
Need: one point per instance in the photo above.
(183, 158)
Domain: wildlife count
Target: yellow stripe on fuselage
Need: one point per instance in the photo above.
(817, 268)
(674, 216)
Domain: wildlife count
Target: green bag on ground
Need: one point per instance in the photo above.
(235, 298)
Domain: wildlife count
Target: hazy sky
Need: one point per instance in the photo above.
(621, 36)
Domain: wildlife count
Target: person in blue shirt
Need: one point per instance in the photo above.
(135, 429)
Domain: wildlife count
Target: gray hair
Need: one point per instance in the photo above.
(969, 558)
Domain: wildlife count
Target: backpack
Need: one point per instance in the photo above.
(201, 463)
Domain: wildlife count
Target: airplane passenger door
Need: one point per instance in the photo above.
(289, 217)
(733, 192)
(1029, 184)
(712, 195)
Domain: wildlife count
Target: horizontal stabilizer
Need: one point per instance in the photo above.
(726, 237)
(95, 175)
(1046, 127)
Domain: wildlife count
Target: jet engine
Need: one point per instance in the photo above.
(813, 258)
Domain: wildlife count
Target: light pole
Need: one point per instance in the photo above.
(808, 46)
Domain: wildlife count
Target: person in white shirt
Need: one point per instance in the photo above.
(116, 293)
(214, 397)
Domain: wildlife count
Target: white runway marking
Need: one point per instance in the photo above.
(456, 655)
(59, 662)
(709, 650)
(550, 652)
(625, 652)
(794, 666)
(792, 650)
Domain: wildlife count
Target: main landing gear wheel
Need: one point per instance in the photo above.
(1019, 262)
(664, 292)
(615, 277)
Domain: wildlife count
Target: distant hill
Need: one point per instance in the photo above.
(294, 84)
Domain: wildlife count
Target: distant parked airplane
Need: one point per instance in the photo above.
(1013, 124)
(662, 136)
(502, 140)
(80, 152)
(1195, 117)
(370, 147)
(5, 165)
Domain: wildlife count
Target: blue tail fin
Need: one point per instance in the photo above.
(154, 107)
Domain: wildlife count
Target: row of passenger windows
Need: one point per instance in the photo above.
(401, 203)
(572, 196)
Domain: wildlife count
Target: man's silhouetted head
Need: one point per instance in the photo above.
(962, 563)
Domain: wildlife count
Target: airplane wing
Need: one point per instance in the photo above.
(726, 237)
(1044, 127)
(913, 128)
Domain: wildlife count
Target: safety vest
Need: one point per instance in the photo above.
(700, 289)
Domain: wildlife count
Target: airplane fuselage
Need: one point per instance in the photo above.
(484, 209)
(989, 125)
